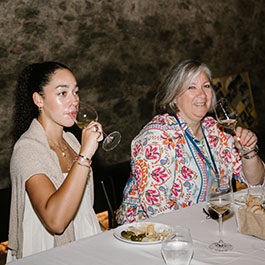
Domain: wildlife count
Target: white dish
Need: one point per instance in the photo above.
(158, 228)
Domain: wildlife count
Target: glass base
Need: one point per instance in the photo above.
(111, 141)
(221, 246)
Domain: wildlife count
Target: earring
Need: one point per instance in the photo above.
(40, 109)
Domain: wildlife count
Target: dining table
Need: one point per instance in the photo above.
(105, 248)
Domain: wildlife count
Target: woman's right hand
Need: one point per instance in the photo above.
(91, 136)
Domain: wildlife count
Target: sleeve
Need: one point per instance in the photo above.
(30, 157)
(153, 165)
(230, 157)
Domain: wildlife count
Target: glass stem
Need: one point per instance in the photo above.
(221, 242)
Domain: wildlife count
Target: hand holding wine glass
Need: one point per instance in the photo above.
(220, 200)
(85, 115)
(92, 135)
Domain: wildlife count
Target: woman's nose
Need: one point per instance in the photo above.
(201, 91)
(74, 100)
(75, 103)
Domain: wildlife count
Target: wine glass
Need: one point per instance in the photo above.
(220, 199)
(227, 117)
(177, 248)
(86, 114)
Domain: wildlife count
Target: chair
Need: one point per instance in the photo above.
(5, 198)
(113, 185)
(111, 213)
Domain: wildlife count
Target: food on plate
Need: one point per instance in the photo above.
(254, 205)
(256, 208)
(144, 232)
(132, 236)
(253, 200)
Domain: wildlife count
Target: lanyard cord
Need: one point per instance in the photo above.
(211, 155)
(187, 140)
(189, 137)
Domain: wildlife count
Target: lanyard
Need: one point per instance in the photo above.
(202, 155)
(211, 155)
(190, 138)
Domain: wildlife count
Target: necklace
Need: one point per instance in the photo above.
(66, 164)
(62, 149)
(65, 148)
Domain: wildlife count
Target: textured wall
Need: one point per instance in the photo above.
(120, 50)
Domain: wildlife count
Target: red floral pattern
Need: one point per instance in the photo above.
(165, 175)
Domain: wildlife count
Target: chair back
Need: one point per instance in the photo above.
(113, 185)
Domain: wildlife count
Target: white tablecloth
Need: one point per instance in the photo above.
(105, 249)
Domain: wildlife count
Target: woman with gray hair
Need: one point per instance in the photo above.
(175, 155)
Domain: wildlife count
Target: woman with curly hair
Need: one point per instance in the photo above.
(52, 182)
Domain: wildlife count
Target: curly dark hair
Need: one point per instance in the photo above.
(33, 78)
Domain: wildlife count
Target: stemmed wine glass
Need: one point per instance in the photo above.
(220, 199)
(86, 114)
(227, 117)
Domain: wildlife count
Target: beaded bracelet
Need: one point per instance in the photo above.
(246, 156)
(249, 157)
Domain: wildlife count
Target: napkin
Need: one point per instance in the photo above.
(251, 219)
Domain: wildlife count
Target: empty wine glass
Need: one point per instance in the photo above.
(86, 114)
(177, 248)
(220, 199)
(227, 117)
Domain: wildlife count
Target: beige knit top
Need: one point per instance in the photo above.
(32, 155)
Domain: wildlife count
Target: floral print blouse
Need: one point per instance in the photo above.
(167, 171)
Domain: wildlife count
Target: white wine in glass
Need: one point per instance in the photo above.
(225, 114)
(227, 117)
(86, 114)
(220, 199)
(229, 124)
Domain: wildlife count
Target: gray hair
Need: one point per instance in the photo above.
(177, 82)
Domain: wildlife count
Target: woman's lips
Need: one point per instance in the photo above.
(71, 113)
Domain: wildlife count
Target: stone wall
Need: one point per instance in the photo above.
(120, 50)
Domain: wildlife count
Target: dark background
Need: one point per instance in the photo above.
(120, 50)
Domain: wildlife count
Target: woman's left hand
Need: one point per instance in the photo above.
(252, 166)
(245, 138)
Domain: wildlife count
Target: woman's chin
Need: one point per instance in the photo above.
(200, 113)
(68, 123)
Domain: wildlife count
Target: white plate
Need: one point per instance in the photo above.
(159, 228)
